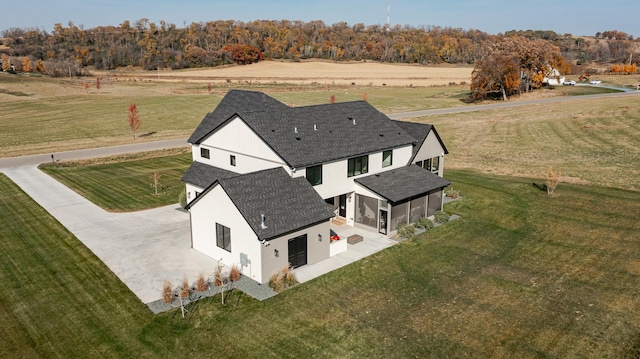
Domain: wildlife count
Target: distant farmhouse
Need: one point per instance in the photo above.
(268, 181)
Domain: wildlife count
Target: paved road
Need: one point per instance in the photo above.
(158, 145)
(91, 153)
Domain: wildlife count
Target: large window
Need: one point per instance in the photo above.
(204, 152)
(358, 166)
(314, 175)
(223, 237)
(387, 158)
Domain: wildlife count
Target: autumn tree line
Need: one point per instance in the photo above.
(70, 49)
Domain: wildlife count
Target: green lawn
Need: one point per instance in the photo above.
(520, 275)
(125, 183)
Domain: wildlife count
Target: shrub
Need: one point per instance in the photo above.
(167, 292)
(283, 279)
(424, 223)
(441, 217)
(235, 273)
(182, 198)
(202, 283)
(452, 193)
(406, 230)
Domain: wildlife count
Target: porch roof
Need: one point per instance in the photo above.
(203, 175)
(403, 183)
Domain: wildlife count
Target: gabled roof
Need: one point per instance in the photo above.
(233, 102)
(403, 183)
(203, 175)
(289, 204)
(308, 135)
(419, 131)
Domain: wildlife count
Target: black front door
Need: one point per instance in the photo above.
(383, 222)
(342, 206)
(298, 251)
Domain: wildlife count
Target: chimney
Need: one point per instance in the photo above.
(263, 220)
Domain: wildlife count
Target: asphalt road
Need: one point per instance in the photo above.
(11, 162)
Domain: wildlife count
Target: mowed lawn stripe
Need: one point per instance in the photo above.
(57, 296)
(127, 185)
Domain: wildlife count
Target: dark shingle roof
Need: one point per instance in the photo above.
(233, 102)
(419, 131)
(403, 183)
(203, 175)
(288, 204)
(308, 135)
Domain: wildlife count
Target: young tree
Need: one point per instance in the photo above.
(156, 182)
(40, 66)
(134, 119)
(552, 180)
(6, 64)
(27, 66)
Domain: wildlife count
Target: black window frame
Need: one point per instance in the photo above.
(232, 160)
(314, 174)
(223, 237)
(205, 153)
(357, 166)
(390, 152)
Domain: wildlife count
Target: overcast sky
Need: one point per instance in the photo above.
(581, 18)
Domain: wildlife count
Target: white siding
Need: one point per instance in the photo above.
(237, 139)
(316, 250)
(334, 174)
(191, 191)
(431, 148)
(216, 207)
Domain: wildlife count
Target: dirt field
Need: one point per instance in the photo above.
(358, 73)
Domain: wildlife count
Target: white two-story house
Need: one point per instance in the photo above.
(267, 179)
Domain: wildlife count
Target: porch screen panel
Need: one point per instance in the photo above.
(366, 210)
(435, 203)
(399, 215)
(418, 209)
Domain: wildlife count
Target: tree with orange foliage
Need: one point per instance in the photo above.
(27, 66)
(513, 65)
(40, 66)
(134, 119)
(244, 54)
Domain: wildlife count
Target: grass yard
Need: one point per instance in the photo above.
(125, 183)
(519, 275)
(590, 142)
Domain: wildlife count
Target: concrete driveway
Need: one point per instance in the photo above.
(142, 248)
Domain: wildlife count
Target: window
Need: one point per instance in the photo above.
(357, 166)
(232, 160)
(223, 237)
(419, 163)
(435, 164)
(427, 164)
(387, 158)
(314, 175)
(204, 152)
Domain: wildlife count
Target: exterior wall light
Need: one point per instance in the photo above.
(276, 253)
(319, 237)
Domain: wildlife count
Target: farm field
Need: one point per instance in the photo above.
(519, 275)
(44, 115)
